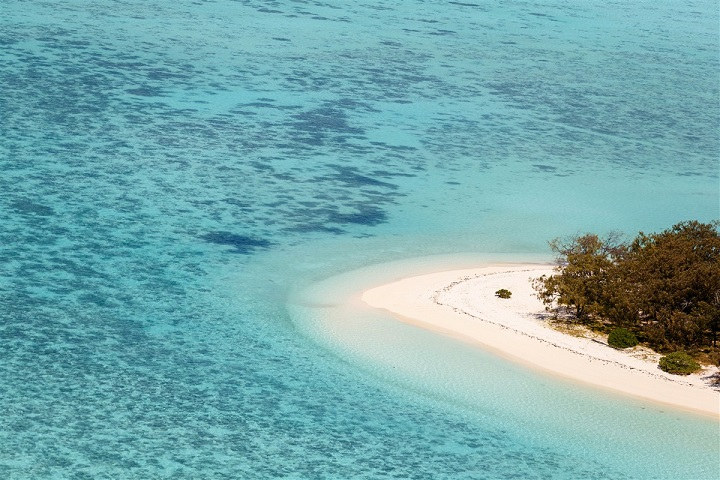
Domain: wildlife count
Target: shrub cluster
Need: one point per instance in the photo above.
(679, 363)
(503, 293)
(622, 338)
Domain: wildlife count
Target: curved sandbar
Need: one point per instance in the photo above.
(462, 304)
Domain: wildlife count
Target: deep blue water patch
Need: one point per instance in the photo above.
(26, 206)
(351, 177)
(366, 215)
(240, 243)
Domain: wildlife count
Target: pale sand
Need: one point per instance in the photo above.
(461, 303)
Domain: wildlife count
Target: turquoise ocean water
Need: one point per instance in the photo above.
(178, 180)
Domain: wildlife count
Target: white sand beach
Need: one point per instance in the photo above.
(462, 304)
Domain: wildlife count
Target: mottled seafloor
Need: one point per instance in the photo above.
(170, 171)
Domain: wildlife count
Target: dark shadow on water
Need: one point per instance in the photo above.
(28, 207)
(367, 215)
(241, 244)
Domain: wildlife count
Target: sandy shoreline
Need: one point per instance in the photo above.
(462, 304)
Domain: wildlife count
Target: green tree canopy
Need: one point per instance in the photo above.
(674, 280)
(663, 286)
(584, 266)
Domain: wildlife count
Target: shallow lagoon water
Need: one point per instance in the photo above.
(171, 173)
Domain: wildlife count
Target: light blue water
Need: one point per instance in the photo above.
(172, 171)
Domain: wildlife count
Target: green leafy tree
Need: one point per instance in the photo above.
(664, 287)
(622, 338)
(585, 263)
(672, 281)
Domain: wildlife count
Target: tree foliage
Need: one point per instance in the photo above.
(679, 363)
(664, 287)
(622, 338)
(583, 273)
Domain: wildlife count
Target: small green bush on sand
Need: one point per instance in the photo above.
(679, 363)
(503, 293)
(622, 338)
